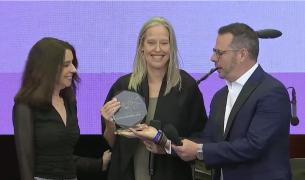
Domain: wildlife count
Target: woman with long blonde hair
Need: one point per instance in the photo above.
(171, 96)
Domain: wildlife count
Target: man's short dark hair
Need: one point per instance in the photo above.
(243, 37)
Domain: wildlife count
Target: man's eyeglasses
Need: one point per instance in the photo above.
(219, 52)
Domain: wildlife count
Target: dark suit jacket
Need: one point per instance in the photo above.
(183, 108)
(254, 145)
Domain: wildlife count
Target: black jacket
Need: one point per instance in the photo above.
(183, 108)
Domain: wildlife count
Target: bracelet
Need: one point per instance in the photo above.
(163, 141)
(157, 138)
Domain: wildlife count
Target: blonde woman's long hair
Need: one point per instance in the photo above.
(139, 67)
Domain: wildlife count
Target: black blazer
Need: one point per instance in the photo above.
(183, 108)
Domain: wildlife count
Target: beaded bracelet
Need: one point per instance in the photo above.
(162, 141)
(157, 138)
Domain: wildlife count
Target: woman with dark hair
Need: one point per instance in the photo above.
(45, 115)
(171, 96)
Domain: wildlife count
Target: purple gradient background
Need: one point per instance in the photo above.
(105, 34)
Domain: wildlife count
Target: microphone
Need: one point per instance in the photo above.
(206, 75)
(156, 124)
(294, 120)
(172, 134)
(268, 33)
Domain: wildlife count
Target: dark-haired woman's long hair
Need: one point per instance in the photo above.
(42, 70)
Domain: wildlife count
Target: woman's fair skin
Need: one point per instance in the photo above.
(233, 62)
(156, 49)
(64, 80)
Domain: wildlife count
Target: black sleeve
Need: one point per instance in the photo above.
(198, 116)
(23, 130)
(86, 164)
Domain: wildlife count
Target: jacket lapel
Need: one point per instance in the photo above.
(246, 91)
(220, 111)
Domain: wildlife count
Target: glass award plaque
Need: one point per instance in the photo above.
(132, 110)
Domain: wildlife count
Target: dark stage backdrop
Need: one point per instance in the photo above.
(93, 146)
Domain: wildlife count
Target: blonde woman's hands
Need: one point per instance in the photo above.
(145, 133)
(141, 131)
(109, 109)
(129, 133)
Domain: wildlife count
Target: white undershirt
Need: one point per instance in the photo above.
(234, 89)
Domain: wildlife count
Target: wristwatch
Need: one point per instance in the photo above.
(199, 154)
